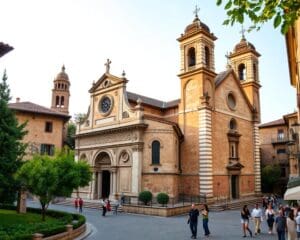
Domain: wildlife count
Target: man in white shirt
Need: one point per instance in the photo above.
(298, 224)
(257, 215)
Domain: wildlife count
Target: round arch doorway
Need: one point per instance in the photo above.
(103, 179)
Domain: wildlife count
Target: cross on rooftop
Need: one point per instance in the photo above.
(196, 11)
(243, 30)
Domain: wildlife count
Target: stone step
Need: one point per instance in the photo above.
(235, 204)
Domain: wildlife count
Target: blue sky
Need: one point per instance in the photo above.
(138, 36)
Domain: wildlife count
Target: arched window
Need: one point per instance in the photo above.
(155, 152)
(207, 57)
(59, 86)
(62, 101)
(254, 72)
(191, 57)
(232, 124)
(57, 101)
(242, 71)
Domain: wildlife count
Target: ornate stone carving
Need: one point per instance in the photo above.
(124, 156)
(109, 138)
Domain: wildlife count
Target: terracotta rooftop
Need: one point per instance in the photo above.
(35, 108)
(221, 76)
(4, 48)
(151, 101)
(273, 123)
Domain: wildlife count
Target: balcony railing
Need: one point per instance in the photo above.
(280, 140)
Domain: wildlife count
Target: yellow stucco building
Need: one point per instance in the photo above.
(205, 143)
(46, 126)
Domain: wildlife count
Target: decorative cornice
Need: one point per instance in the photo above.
(112, 130)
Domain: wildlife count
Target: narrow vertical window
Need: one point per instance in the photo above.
(62, 101)
(191, 57)
(254, 72)
(57, 101)
(155, 152)
(242, 71)
(207, 57)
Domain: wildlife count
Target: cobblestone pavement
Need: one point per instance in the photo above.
(223, 225)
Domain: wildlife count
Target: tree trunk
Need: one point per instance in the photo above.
(43, 212)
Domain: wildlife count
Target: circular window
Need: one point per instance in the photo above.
(231, 101)
(105, 105)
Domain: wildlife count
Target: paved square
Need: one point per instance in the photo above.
(223, 225)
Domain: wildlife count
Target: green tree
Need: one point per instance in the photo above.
(283, 13)
(71, 131)
(48, 177)
(80, 117)
(11, 148)
(270, 174)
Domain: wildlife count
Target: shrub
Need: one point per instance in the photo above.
(145, 197)
(25, 231)
(162, 198)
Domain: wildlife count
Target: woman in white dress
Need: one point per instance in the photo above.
(291, 226)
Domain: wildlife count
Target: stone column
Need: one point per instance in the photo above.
(114, 183)
(136, 173)
(92, 192)
(257, 159)
(205, 149)
(99, 189)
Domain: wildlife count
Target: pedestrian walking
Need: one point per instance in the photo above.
(116, 207)
(270, 217)
(298, 223)
(103, 203)
(80, 202)
(108, 206)
(257, 216)
(291, 226)
(205, 220)
(245, 214)
(281, 227)
(193, 220)
(76, 204)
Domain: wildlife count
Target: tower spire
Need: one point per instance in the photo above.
(196, 12)
(243, 30)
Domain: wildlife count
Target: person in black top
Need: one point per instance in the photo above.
(245, 214)
(193, 220)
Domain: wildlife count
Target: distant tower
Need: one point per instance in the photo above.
(244, 61)
(61, 92)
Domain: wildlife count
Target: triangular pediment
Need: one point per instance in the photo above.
(107, 80)
(230, 75)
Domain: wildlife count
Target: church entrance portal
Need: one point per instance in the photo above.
(234, 187)
(105, 184)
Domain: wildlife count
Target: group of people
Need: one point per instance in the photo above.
(285, 221)
(106, 206)
(78, 204)
(193, 220)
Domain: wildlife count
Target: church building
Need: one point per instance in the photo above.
(205, 143)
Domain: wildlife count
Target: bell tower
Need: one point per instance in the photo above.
(244, 61)
(197, 74)
(61, 92)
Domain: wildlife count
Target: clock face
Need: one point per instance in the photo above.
(105, 104)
